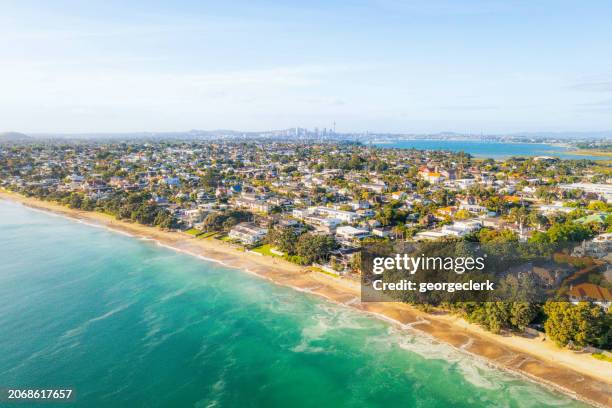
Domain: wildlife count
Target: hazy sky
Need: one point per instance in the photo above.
(401, 66)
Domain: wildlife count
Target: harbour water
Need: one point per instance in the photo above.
(493, 150)
(125, 322)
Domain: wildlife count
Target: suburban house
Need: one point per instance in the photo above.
(248, 233)
(347, 233)
(461, 228)
(590, 292)
(321, 224)
(375, 187)
(431, 176)
(325, 212)
(344, 216)
(456, 229)
(252, 203)
(601, 190)
(554, 208)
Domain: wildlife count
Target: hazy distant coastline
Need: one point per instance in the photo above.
(321, 134)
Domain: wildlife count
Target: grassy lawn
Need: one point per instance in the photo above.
(265, 250)
(603, 357)
(193, 231)
(227, 238)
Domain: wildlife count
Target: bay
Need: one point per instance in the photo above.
(493, 150)
(127, 323)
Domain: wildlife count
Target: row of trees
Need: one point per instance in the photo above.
(225, 220)
(498, 316)
(303, 248)
(136, 207)
(568, 325)
(578, 325)
(564, 323)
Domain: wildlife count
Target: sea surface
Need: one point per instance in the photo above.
(493, 150)
(127, 323)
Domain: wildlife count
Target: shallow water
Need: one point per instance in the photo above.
(126, 322)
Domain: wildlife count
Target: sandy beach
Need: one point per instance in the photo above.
(574, 373)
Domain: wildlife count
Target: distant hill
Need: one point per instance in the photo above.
(13, 137)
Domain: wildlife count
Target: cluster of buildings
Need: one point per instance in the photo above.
(352, 192)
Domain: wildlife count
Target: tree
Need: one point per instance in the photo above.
(597, 205)
(75, 200)
(493, 236)
(494, 203)
(568, 232)
(210, 178)
(581, 325)
(518, 215)
(284, 239)
(164, 220)
(226, 219)
(314, 247)
(462, 215)
(493, 316)
(545, 194)
(356, 262)
(534, 219)
(521, 314)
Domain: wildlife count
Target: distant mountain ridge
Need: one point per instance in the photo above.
(13, 137)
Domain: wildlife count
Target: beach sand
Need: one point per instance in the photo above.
(574, 373)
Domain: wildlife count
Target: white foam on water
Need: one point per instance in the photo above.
(83, 326)
(311, 334)
(327, 319)
(110, 313)
(174, 294)
(474, 370)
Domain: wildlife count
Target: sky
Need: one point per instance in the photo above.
(379, 66)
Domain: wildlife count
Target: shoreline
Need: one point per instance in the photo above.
(575, 374)
(600, 155)
(587, 152)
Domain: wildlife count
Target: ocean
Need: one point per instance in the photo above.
(493, 150)
(127, 323)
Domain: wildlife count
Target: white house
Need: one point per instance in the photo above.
(344, 216)
(603, 190)
(300, 213)
(321, 224)
(554, 208)
(375, 187)
(474, 208)
(248, 233)
(462, 228)
(350, 233)
(457, 229)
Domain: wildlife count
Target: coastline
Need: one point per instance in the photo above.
(576, 374)
(587, 152)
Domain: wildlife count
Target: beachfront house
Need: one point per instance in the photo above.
(348, 234)
(589, 292)
(248, 233)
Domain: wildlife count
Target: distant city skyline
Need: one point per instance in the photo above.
(383, 66)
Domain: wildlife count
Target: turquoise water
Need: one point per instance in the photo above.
(494, 150)
(128, 323)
